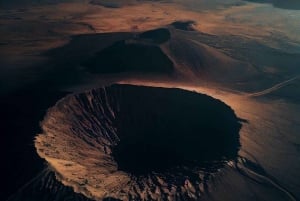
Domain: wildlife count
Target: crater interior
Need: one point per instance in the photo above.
(136, 142)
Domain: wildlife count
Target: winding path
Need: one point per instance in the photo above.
(273, 88)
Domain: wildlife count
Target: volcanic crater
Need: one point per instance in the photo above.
(138, 143)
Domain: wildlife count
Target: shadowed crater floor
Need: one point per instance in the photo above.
(135, 138)
(184, 25)
(162, 129)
